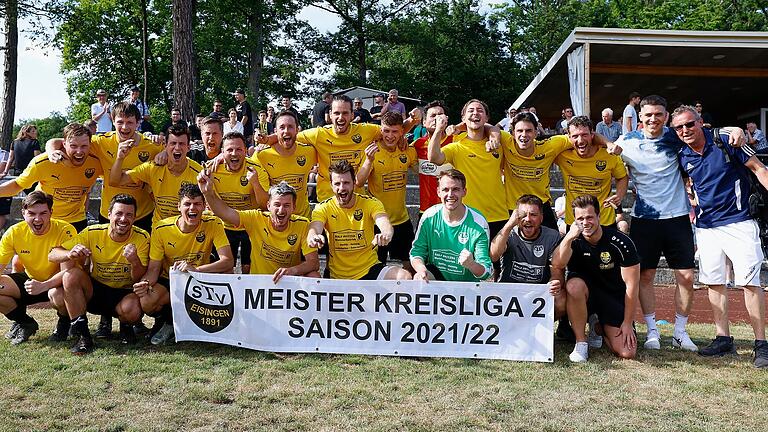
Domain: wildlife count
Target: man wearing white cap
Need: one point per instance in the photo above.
(101, 112)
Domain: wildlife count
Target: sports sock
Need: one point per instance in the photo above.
(80, 326)
(19, 315)
(680, 322)
(167, 314)
(650, 321)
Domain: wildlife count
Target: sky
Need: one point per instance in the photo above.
(42, 89)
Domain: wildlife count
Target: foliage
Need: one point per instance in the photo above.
(47, 128)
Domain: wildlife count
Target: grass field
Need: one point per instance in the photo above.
(196, 386)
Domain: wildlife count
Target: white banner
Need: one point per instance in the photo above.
(399, 318)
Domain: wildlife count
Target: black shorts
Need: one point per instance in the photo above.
(435, 272)
(373, 272)
(164, 282)
(608, 305)
(550, 218)
(239, 240)
(105, 299)
(672, 237)
(80, 225)
(25, 298)
(494, 228)
(400, 246)
(5, 206)
(144, 223)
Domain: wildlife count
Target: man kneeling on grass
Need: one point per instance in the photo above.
(603, 278)
(111, 257)
(183, 243)
(279, 237)
(31, 240)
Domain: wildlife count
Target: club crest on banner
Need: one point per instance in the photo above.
(209, 305)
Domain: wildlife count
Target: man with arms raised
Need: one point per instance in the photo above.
(481, 168)
(289, 161)
(235, 181)
(588, 170)
(386, 170)
(279, 236)
(603, 278)
(660, 222)
(349, 218)
(452, 239)
(525, 248)
(164, 180)
(68, 182)
(41, 280)
(116, 255)
(184, 243)
(428, 172)
(724, 227)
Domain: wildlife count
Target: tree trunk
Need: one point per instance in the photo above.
(145, 49)
(363, 67)
(183, 59)
(8, 100)
(256, 50)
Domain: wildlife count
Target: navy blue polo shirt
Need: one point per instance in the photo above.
(721, 186)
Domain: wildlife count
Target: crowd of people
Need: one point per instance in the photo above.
(485, 212)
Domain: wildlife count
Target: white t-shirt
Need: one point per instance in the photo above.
(238, 127)
(104, 124)
(629, 111)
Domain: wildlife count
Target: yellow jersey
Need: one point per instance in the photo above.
(293, 169)
(165, 186)
(590, 176)
(168, 244)
(530, 174)
(272, 249)
(108, 265)
(68, 184)
(331, 147)
(485, 190)
(351, 252)
(104, 146)
(33, 249)
(234, 189)
(388, 179)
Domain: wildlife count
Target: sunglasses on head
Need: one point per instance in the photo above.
(688, 125)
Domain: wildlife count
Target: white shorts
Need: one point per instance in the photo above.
(739, 242)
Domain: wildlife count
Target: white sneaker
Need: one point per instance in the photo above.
(652, 340)
(580, 352)
(684, 342)
(593, 339)
(163, 335)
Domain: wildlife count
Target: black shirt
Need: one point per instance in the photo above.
(244, 109)
(376, 109)
(365, 116)
(23, 153)
(318, 113)
(601, 264)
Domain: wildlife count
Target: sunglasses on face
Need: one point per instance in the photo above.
(688, 125)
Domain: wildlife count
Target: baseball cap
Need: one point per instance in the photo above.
(134, 88)
(100, 92)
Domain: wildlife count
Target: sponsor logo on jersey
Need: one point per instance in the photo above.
(600, 165)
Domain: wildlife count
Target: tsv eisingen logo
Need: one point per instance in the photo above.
(209, 304)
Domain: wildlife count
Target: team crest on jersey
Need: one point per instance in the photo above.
(292, 239)
(210, 305)
(538, 251)
(539, 156)
(600, 165)
(495, 154)
(463, 237)
(605, 257)
(143, 156)
(243, 181)
(200, 237)
(90, 172)
(358, 215)
(301, 160)
(403, 158)
(357, 139)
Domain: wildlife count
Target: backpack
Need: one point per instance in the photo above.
(758, 195)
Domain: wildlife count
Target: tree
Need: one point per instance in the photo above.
(10, 62)
(184, 75)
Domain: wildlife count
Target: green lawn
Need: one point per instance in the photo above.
(197, 386)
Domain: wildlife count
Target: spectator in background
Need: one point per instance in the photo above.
(233, 125)
(629, 116)
(360, 114)
(194, 130)
(265, 126)
(756, 138)
(91, 125)
(271, 117)
(101, 112)
(539, 128)
(609, 128)
(321, 112)
(393, 104)
(288, 106)
(23, 149)
(378, 101)
(218, 109)
(244, 114)
(562, 126)
(506, 122)
(144, 125)
(706, 117)
(175, 120)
